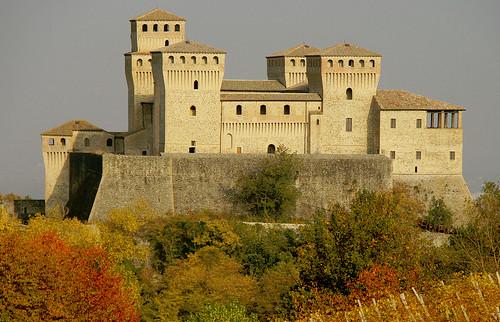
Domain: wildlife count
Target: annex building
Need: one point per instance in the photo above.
(321, 101)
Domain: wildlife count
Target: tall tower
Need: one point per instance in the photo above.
(187, 109)
(347, 78)
(289, 66)
(152, 30)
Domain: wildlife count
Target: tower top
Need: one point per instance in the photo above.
(158, 14)
(345, 50)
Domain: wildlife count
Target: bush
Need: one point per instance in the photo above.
(439, 214)
(269, 192)
(232, 312)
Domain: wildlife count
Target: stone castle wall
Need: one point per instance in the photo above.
(181, 183)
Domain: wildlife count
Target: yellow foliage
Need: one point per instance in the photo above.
(218, 233)
(7, 222)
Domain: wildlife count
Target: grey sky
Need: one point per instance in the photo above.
(63, 60)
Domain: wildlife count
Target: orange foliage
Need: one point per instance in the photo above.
(376, 282)
(43, 278)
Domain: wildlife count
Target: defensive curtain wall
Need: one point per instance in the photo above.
(182, 183)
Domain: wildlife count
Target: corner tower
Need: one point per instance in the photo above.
(346, 77)
(187, 108)
(152, 30)
(289, 66)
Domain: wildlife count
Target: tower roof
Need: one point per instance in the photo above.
(391, 99)
(297, 51)
(66, 129)
(189, 46)
(345, 50)
(158, 14)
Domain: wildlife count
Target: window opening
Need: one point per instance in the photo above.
(348, 124)
(348, 93)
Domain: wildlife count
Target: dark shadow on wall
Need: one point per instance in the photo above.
(85, 173)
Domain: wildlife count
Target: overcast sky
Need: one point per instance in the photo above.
(63, 60)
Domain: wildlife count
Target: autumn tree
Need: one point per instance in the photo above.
(43, 278)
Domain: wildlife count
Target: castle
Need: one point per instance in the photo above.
(314, 102)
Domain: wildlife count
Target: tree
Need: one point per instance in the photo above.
(232, 312)
(43, 278)
(478, 243)
(439, 214)
(270, 191)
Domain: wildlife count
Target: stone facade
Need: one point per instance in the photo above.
(315, 101)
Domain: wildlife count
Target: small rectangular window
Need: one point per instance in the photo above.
(51, 141)
(192, 149)
(238, 149)
(239, 110)
(418, 155)
(393, 123)
(452, 155)
(286, 110)
(419, 123)
(263, 110)
(348, 124)
(393, 155)
(193, 143)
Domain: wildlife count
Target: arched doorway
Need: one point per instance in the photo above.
(271, 149)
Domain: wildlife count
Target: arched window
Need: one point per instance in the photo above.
(263, 110)
(86, 142)
(109, 142)
(204, 59)
(139, 62)
(144, 27)
(271, 149)
(348, 94)
(155, 27)
(286, 109)
(330, 63)
(216, 60)
(177, 27)
(341, 63)
(239, 110)
(193, 59)
(372, 63)
(195, 85)
(165, 27)
(293, 62)
(192, 110)
(171, 59)
(362, 63)
(183, 59)
(302, 62)
(351, 63)
(63, 141)
(167, 42)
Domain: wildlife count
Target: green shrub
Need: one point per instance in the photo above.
(269, 191)
(439, 214)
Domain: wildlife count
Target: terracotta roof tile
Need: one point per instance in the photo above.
(158, 15)
(345, 50)
(66, 129)
(270, 97)
(189, 46)
(252, 85)
(403, 100)
(297, 51)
